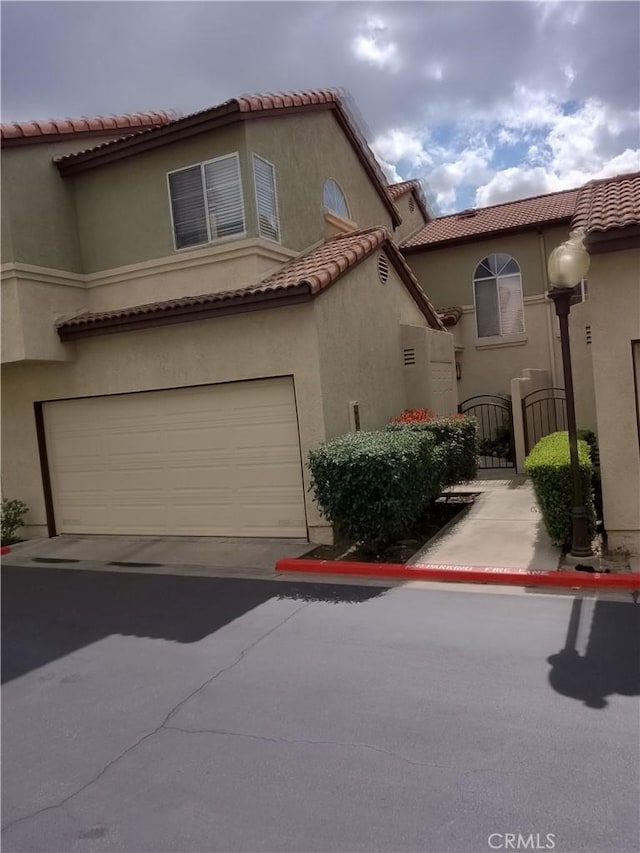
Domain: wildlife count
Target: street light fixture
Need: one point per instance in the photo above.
(568, 265)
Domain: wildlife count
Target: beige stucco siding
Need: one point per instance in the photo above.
(248, 346)
(614, 282)
(38, 207)
(123, 207)
(306, 150)
(447, 273)
(412, 220)
(361, 348)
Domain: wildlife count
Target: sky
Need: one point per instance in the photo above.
(484, 102)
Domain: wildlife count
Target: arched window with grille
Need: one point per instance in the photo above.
(497, 291)
(334, 200)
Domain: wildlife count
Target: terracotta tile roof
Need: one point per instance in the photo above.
(609, 203)
(483, 221)
(301, 279)
(49, 129)
(450, 316)
(398, 190)
(243, 107)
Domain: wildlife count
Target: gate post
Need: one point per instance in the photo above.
(519, 388)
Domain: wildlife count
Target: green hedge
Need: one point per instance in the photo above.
(549, 467)
(459, 438)
(375, 486)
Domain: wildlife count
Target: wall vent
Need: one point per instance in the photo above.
(383, 268)
(587, 333)
(412, 203)
(409, 356)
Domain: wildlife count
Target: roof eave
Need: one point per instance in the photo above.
(186, 313)
(484, 235)
(613, 240)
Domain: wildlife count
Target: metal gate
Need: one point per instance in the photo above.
(543, 411)
(495, 429)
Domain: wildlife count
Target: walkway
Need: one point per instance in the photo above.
(503, 528)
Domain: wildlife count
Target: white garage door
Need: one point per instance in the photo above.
(220, 460)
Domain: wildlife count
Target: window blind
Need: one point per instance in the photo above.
(266, 202)
(187, 207)
(224, 196)
(511, 307)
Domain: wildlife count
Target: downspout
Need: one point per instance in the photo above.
(548, 310)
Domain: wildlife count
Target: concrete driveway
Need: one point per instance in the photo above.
(189, 555)
(163, 713)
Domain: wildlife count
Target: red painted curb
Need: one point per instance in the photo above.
(5, 550)
(461, 574)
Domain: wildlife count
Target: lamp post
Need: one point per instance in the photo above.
(568, 265)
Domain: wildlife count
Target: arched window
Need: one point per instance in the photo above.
(497, 290)
(333, 199)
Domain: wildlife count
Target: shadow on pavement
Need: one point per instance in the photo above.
(611, 662)
(49, 613)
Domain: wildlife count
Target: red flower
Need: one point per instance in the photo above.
(413, 415)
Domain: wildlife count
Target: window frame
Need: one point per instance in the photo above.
(501, 337)
(330, 210)
(210, 238)
(277, 239)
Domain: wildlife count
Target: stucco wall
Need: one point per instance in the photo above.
(361, 348)
(306, 150)
(123, 207)
(38, 208)
(248, 346)
(488, 367)
(447, 273)
(614, 287)
(29, 311)
(412, 221)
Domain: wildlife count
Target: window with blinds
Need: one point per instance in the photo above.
(264, 179)
(206, 201)
(497, 286)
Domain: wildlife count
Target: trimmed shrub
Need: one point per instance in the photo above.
(11, 519)
(549, 467)
(457, 438)
(591, 438)
(375, 485)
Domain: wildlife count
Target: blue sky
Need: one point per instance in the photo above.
(483, 101)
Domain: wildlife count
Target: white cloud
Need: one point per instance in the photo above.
(572, 150)
(402, 144)
(373, 46)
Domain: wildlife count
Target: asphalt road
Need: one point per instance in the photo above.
(156, 713)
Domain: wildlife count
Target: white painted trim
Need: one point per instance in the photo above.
(343, 225)
(500, 341)
(42, 275)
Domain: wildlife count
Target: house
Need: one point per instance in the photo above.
(490, 265)
(609, 210)
(191, 304)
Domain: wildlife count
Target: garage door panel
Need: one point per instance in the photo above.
(214, 460)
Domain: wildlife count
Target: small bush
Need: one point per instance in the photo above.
(549, 467)
(457, 438)
(591, 438)
(12, 516)
(375, 485)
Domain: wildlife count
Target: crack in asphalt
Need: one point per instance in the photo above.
(355, 745)
(174, 710)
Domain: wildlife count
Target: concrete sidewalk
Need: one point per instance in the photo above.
(503, 528)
